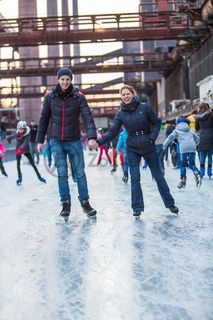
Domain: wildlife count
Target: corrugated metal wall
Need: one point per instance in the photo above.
(174, 86)
(200, 66)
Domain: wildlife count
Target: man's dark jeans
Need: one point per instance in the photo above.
(74, 151)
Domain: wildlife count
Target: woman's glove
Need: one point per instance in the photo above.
(19, 151)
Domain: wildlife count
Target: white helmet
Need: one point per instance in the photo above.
(22, 125)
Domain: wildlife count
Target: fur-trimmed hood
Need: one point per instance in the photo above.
(27, 131)
(203, 116)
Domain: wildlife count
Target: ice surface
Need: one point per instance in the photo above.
(115, 268)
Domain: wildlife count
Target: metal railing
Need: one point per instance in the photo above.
(159, 61)
(88, 28)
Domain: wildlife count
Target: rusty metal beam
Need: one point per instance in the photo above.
(93, 28)
(137, 67)
(9, 92)
(100, 86)
(104, 111)
(104, 99)
(85, 86)
(35, 94)
(24, 95)
(97, 111)
(87, 36)
(147, 62)
(95, 99)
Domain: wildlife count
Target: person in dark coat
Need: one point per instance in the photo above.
(3, 127)
(22, 136)
(33, 145)
(62, 108)
(173, 148)
(142, 126)
(204, 126)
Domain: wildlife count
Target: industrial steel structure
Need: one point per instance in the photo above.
(188, 23)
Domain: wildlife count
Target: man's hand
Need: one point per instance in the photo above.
(40, 147)
(92, 144)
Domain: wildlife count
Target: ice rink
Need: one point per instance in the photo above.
(115, 268)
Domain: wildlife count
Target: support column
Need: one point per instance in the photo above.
(76, 47)
(29, 108)
(53, 50)
(66, 47)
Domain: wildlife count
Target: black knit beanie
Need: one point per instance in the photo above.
(64, 72)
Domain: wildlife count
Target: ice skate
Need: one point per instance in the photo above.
(65, 212)
(202, 172)
(137, 215)
(209, 172)
(114, 169)
(90, 212)
(198, 179)
(19, 181)
(173, 209)
(125, 177)
(182, 183)
(42, 179)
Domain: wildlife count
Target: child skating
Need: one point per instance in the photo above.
(22, 136)
(103, 148)
(2, 153)
(121, 145)
(188, 141)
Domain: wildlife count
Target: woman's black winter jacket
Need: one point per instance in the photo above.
(63, 113)
(142, 126)
(204, 126)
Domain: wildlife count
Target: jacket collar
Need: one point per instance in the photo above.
(203, 116)
(130, 106)
(26, 132)
(71, 91)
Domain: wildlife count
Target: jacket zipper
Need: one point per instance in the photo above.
(62, 122)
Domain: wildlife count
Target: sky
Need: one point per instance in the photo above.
(85, 7)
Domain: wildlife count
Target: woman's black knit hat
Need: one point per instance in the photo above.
(64, 72)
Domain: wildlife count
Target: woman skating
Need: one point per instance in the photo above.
(204, 126)
(137, 118)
